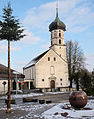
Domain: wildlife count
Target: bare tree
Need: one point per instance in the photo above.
(76, 61)
(69, 45)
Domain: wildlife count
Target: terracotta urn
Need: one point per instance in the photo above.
(78, 99)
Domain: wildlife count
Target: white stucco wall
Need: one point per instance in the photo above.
(29, 73)
(43, 71)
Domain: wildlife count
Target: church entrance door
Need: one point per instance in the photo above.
(52, 84)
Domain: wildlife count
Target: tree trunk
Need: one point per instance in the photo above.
(77, 85)
(9, 81)
(77, 81)
(69, 63)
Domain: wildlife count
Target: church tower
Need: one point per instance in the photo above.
(57, 29)
(49, 70)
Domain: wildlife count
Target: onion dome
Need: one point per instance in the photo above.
(57, 24)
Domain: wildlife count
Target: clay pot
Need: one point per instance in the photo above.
(78, 99)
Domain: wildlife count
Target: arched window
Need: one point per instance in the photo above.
(59, 41)
(48, 58)
(51, 42)
(51, 35)
(60, 79)
(42, 79)
(54, 59)
(59, 34)
(52, 70)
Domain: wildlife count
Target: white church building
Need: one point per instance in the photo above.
(49, 70)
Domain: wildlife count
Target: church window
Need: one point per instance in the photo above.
(52, 70)
(60, 79)
(59, 41)
(54, 59)
(48, 58)
(61, 83)
(42, 79)
(59, 34)
(51, 42)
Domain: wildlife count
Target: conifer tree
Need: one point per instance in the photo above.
(10, 30)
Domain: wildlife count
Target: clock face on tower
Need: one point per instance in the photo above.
(54, 34)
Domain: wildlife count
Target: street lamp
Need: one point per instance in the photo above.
(15, 72)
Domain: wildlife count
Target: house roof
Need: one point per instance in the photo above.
(35, 60)
(4, 72)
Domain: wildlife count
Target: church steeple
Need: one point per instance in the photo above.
(57, 28)
(57, 8)
(57, 24)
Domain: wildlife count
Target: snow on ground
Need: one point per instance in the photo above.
(56, 111)
(61, 111)
(54, 92)
(22, 95)
(47, 111)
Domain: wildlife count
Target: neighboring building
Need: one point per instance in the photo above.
(49, 70)
(16, 79)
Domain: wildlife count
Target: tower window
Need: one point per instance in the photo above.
(59, 34)
(51, 35)
(54, 59)
(59, 41)
(61, 83)
(60, 79)
(42, 79)
(48, 58)
(51, 42)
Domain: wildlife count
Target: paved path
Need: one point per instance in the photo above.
(55, 98)
(31, 110)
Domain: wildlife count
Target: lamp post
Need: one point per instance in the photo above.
(15, 72)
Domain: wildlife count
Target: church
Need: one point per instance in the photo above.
(49, 70)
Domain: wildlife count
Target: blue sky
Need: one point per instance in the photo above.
(36, 15)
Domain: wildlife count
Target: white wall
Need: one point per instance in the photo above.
(43, 71)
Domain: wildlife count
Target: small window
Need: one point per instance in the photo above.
(59, 34)
(61, 83)
(54, 59)
(48, 58)
(42, 79)
(59, 41)
(60, 55)
(51, 35)
(51, 42)
(60, 79)
(60, 47)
